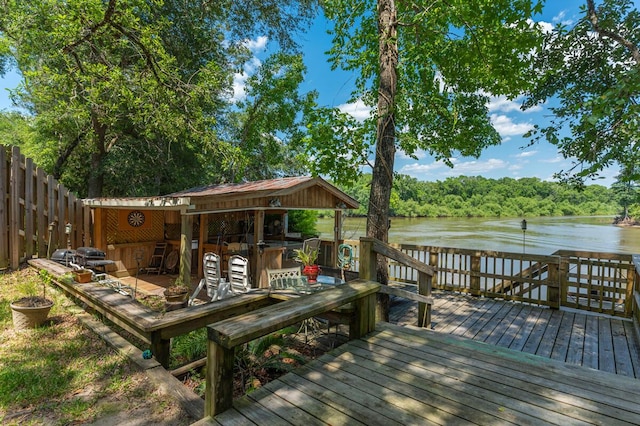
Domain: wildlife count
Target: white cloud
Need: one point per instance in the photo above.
(420, 154)
(507, 127)
(258, 44)
(526, 154)
(357, 110)
(502, 104)
(240, 79)
(468, 168)
(555, 160)
(562, 19)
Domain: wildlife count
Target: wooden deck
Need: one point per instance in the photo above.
(600, 342)
(404, 375)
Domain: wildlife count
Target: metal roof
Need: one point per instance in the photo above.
(264, 188)
(246, 187)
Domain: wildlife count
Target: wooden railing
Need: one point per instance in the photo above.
(592, 281)
(225, 336)
(371, 247)
(35, 211)
(635, 303)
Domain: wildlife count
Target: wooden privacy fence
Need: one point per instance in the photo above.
(35, 212)
(591, 281)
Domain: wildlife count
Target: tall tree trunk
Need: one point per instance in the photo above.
(96, 174)
(382, 179)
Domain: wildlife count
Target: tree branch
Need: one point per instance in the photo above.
(603, 32)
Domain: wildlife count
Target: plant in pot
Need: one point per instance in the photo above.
(32, 309)
(177, 293)
(82, 275)
(309, 266)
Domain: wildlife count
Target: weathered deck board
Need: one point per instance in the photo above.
(406, 375)
(599, 342)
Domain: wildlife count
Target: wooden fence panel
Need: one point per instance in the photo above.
(34, 212)
(4, 214)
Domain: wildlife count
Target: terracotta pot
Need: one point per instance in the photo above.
(311, 272)
(82, 276)
(25, 317)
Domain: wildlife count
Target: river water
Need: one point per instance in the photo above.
(544, 235)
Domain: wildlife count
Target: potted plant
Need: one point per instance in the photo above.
(177, 293)
(82, 275)
(309, 266)
(32, 309)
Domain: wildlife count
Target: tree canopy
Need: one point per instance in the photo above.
(426, 69)
(593, 69)
(477, 196)
(129, 96)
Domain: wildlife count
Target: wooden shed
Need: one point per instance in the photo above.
(248, 218)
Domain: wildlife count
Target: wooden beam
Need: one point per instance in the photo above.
(186, 236)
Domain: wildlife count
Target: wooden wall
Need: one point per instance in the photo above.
(32, 201)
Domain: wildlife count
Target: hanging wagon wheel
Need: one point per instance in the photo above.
(172, 260)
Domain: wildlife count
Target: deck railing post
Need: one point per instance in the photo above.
(367, 270)
(424, 309)
(636, 294)
(433, 261)
(475, 289)
(554, 286)
(219, 379)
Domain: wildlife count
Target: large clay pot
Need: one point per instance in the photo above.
(175, 300)
(311, 272)
(25, 317)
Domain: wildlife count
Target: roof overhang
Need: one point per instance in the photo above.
(143, 203)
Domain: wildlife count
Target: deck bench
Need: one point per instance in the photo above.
(226, 335)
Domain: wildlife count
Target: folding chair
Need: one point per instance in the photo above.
(238, 274)
(216, 288)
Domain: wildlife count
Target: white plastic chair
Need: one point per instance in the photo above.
(238, 274)
(212, 279)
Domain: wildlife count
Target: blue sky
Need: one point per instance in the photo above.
(506, 160)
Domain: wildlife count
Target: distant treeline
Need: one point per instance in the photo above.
(475, 196)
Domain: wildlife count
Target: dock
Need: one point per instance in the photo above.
(601, 342)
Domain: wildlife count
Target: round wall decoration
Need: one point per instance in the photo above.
(135, 218)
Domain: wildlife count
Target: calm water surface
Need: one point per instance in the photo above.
(544, 235)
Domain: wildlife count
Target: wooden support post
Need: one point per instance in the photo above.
(433, 261)
(475, 289)
(202, 239)
(337, 235)
(553, 286)
(424, 309)
(367, 260)
(161, 348)
(185, 247)
(363, 318)
(219, 379)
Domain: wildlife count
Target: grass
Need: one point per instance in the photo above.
(62, 373)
